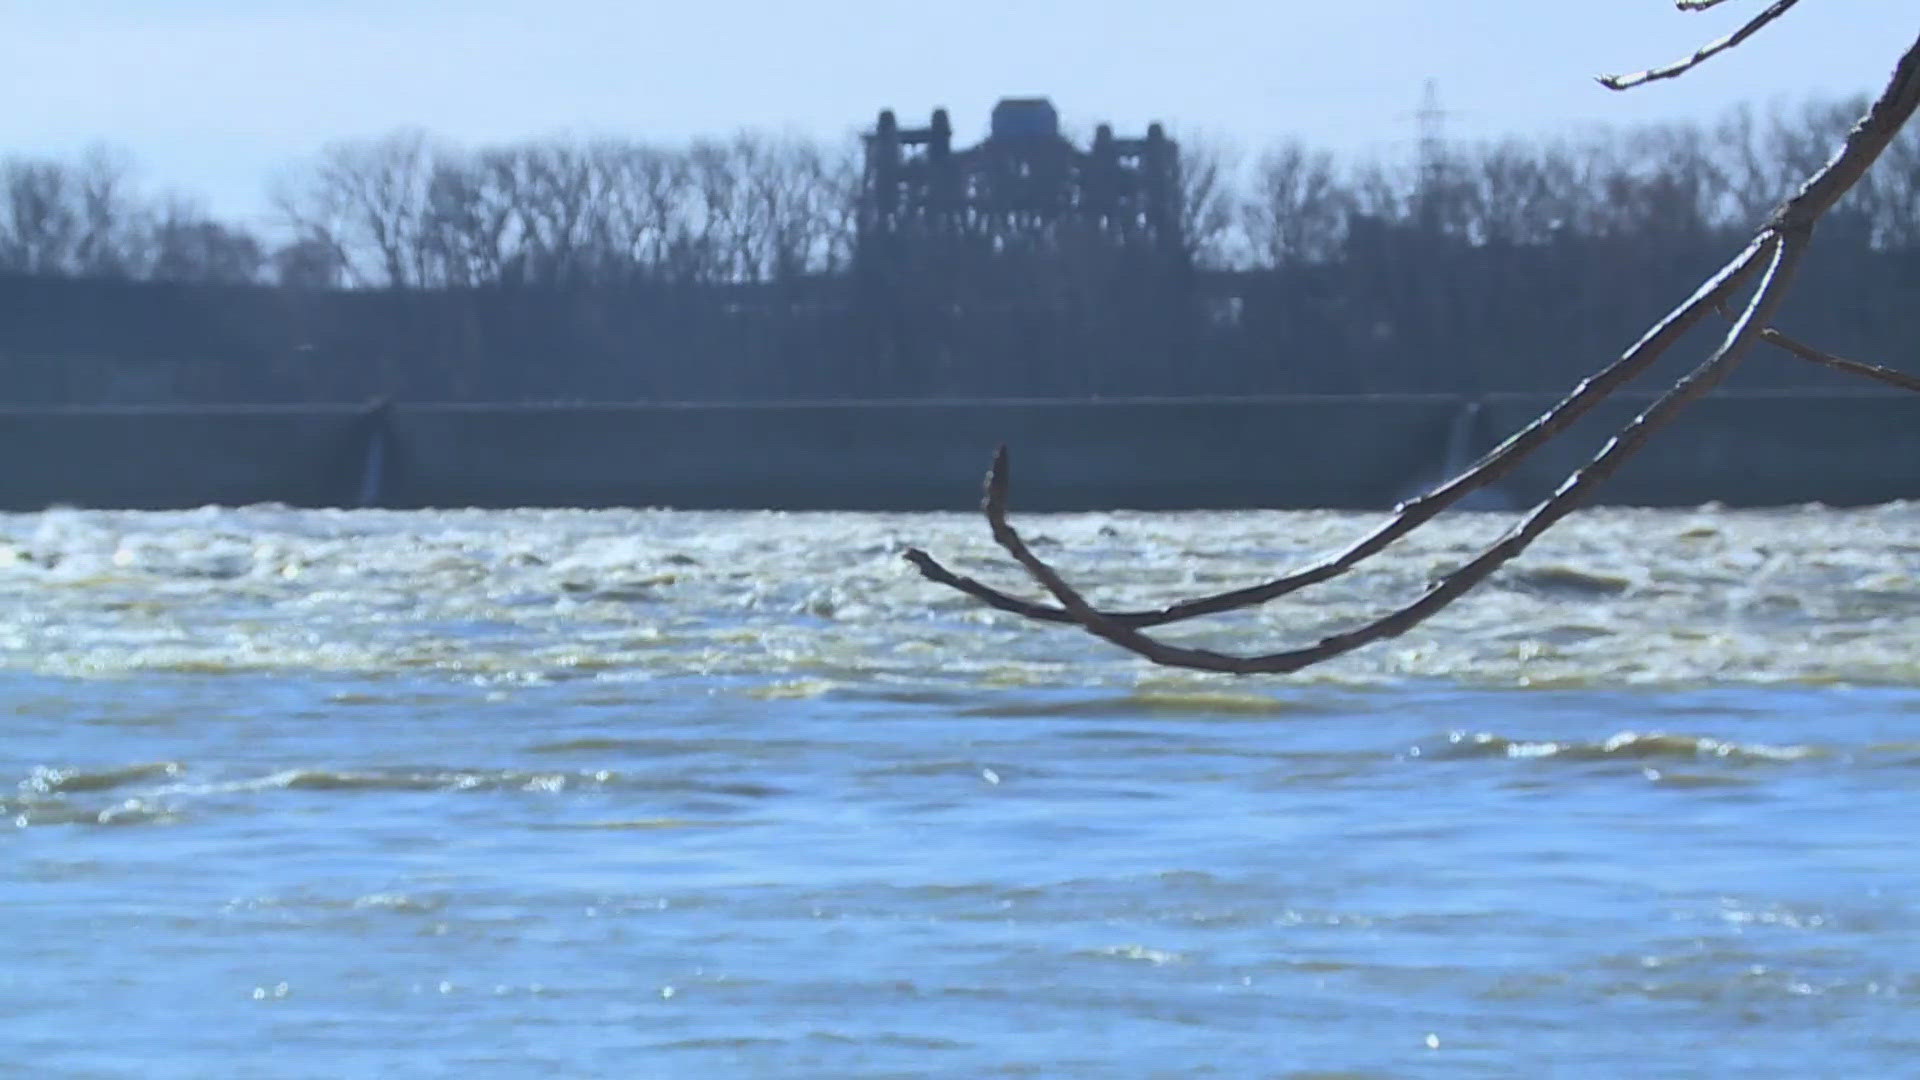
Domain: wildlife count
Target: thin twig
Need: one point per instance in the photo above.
(1697, 5)
(1804, 351)
(1710, 49)
(1852, 367)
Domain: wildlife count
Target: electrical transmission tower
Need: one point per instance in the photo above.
(1435, 157)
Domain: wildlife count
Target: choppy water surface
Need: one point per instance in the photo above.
(294, 793)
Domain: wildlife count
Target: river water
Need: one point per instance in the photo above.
(659, 794)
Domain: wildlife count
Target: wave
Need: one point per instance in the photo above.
(493, 780)
(1147, 703)
(1625, 746)
(24, 813)
(46, 780)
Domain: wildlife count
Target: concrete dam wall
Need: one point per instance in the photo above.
(1753, 448)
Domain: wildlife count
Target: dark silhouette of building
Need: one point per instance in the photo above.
(1025, 186)
(1021, 260)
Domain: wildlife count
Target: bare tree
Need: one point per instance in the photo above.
(1520, 197)
(649, 199)
(308, 263)
(1206, 209)
(799, 199)
(112, 225)
(1767, 264)
(752, 208)
(1298, 211)
(189, 246)
(41, 227)
(399, 211)
(79, 219)
(368, 201)
(467, 229)
(1659, 182)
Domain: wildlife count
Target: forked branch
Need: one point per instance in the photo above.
(1409, 515)
(1778, 247)
(1783, 251)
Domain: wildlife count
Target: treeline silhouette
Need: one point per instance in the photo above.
(739, 270)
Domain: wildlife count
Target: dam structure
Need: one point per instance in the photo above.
(1360, 452)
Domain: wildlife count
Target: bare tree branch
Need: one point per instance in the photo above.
(1781, 243)
(1416, 512)
(1710, 49)
(1410, 516)
(1784, 251)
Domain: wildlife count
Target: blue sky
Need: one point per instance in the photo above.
(213, 96)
